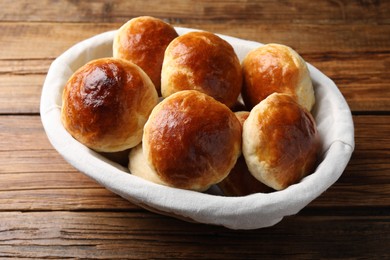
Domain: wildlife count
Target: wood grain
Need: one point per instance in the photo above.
(204, 11)
(305, 38)
(21, 83)
(128, 235)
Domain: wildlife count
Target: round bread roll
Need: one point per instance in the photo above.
(143, 41)
(106, 103)
(191, 141)
(276, 68)
(240, 181)
(280, 141)
(205, 62)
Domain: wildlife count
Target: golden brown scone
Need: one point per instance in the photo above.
(276, 68)
(143, 40)
(106, 103)
(191, 141)
(280, 141)
(205, 62)
(240, 181)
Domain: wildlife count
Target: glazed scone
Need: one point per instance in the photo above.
(280, 141)
(143, 40)
(276, 68)
(205, 62)
(191, 141)
(106, 103)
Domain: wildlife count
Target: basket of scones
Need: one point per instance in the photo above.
(196, 125)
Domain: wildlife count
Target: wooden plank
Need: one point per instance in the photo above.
(54, 198)
(20, 93)
(26, 41)
(227, 11)
(303, 37)
(146, 235)
(20, 133)
(360, 76)
(21, 83)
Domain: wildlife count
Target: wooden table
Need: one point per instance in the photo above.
(50, 210)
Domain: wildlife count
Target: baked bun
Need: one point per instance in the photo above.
(205, 62)
(240, 181)
(276, 68)
(191, 141)
(106, 103)
(143, 40)
(280, 141)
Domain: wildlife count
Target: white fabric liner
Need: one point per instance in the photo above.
(331, 112)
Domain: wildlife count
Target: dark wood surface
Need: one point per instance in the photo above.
(50, 210)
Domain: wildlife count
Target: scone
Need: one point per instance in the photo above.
(143, 41)
(191, 141)
(205, 62)
(280, 141)
(106, 103)
(276, 68)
